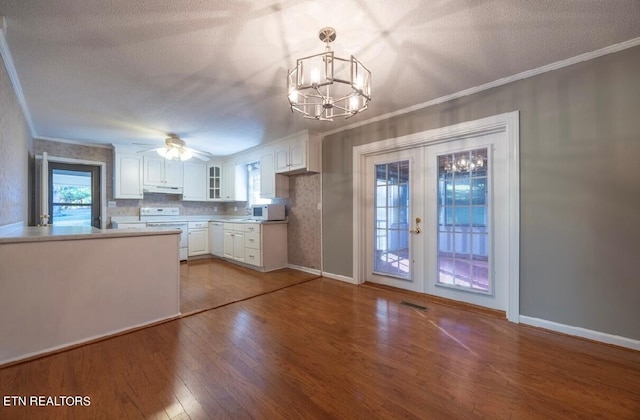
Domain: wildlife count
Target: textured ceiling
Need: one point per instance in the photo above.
(214, 72)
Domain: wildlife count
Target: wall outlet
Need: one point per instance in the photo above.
(111, 204)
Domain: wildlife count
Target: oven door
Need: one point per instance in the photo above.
(184, 234)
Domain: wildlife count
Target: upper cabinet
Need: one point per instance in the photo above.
(299, 153)
(214, 182)
(272, 185)
(162, 175)
(234, 182)
(194, 181)
(127, 175)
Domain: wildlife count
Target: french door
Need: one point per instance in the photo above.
(394, 256)
(437, 220)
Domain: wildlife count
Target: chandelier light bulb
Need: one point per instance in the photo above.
(353, 103)
(293, 96)
(315, 76)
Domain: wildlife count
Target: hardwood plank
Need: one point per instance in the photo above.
(324, 349)
(212, 282)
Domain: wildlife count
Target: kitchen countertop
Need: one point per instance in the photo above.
(64, 233)
(186, 219)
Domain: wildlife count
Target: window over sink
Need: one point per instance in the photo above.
(253, 185)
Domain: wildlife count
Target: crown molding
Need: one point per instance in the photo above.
(76, 142)
(500, 82)
(13, 75)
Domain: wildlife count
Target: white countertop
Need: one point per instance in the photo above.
(64, 233)
(186, 219)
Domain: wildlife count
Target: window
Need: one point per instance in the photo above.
(253, 185)
(392, 219)
(463, 225)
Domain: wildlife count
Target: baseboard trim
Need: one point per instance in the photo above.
(602, 337)
(339, 277)
(305, 269)
(10, 227)
(83, 342)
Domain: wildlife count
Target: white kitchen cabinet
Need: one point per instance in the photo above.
(259, 245)
(127, 176)
(216, 238)
(161, 172)
(194, 181)
(272, 185)
(214, 183)
(234, 241)
(234, 182)
(198, 238)
(299, 153)
(252, 244)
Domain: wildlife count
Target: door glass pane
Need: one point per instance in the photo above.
(391, 219)
(463, 233)
(71, 201)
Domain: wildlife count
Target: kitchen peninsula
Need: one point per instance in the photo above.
(59, 288)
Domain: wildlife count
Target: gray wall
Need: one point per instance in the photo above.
(580, 188)
(15, 144)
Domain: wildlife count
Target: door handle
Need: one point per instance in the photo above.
(418, 229)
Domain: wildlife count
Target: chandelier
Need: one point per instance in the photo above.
(323, 86)
(463, 162)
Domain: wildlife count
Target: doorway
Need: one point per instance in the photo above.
(80, 199)
(437, 213)
(74, 195)
(394, 181)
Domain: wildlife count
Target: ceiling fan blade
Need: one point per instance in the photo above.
(199, 154)
(149, 150)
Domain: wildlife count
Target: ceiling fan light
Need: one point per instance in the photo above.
(162, 152)
(185, 155)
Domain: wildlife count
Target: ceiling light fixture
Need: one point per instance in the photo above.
(463, 162)
(323, 86)
(175, 149)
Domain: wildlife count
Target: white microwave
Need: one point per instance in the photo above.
(267, 211)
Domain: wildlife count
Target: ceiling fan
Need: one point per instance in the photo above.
(175, 149)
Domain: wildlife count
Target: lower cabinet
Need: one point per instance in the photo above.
(234, 241)
(198, 238)
(261, 245)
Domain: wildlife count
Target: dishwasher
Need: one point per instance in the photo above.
(216, 238)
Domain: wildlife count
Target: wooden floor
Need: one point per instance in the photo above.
(211, 282)
(325, 349)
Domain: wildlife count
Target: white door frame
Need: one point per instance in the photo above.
(103, 181)
(508, 123)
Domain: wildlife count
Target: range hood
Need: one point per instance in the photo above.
(163, 190)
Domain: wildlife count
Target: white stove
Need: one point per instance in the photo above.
(167, 217)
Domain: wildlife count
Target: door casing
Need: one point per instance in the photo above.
(44, 187)
(507, 123)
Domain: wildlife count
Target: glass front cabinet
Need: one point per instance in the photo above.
(214, 190)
